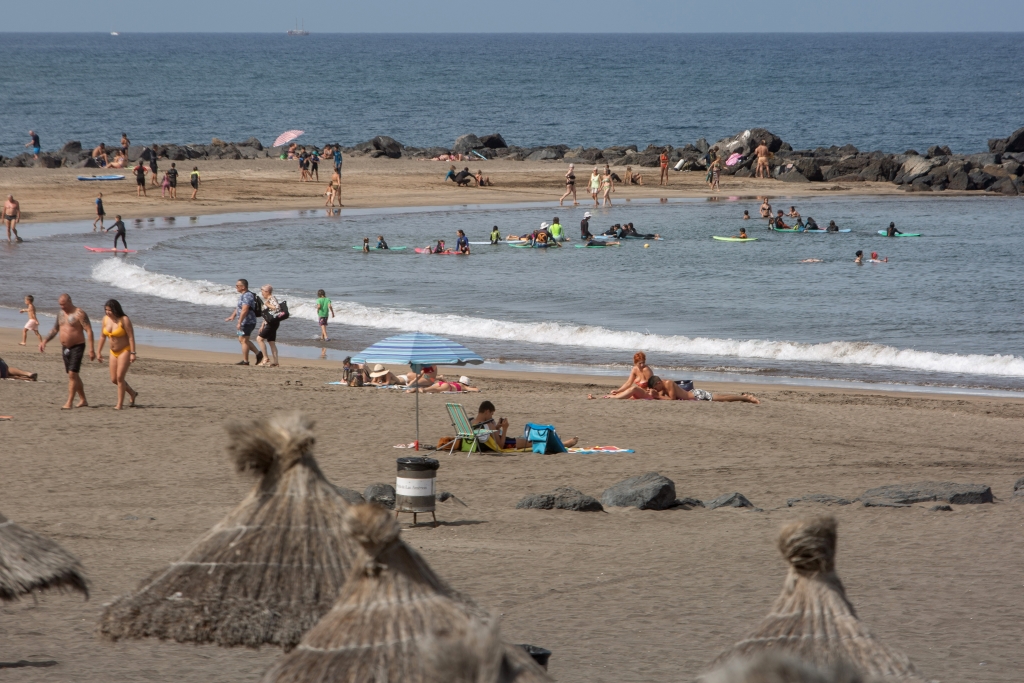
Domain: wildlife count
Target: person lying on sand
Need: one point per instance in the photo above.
(9, 372)
(442, 386)
(381, 376)
(485, 420)
(353, 372)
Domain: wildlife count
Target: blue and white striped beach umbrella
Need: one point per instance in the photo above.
(417, 350)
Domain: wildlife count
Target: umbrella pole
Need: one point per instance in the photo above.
(418, 375)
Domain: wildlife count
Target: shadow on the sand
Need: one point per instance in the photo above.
(25, 663)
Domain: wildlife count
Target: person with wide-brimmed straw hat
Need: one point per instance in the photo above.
(382, 376)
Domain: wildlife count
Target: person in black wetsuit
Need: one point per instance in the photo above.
(630, 231)
(832, 227)
(381, 244)
(585, 227)
(121, 231)
(892, 231)
(811, 225)
(153, 154)
(463, 177)
(612, 231)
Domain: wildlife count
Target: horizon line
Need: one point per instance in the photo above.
(487, 33)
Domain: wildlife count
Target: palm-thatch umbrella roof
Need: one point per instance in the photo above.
(812, 618)
(30, 562)
(268, 571)
(391, 613)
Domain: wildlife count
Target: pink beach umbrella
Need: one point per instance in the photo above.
(287, 136)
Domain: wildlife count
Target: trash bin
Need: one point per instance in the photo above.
(414, 486)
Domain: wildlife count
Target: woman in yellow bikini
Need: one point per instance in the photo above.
(118, 329)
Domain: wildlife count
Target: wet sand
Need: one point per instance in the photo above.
(625, 595)
(49, 195)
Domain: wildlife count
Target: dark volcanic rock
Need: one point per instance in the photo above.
(464, 144)
(900, 495)
(960, 180)
(493, 141)
(135, 152)
(983, 160)
(251, 142)
(808, 168)
(940, 508)
(1019, 485)
(792, 176)
(649, 491)
(87, 162)
(729, 500)
(1015, 143)
(1005, 186)
(562, 498)
(936, 151)
(823, 498)
(392, 148)
(71, 147)
(48, 161)
(545, 154)
(351, 497)
(687, 503)
(980, 179)
(381, 494)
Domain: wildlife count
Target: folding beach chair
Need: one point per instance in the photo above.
(464, 430)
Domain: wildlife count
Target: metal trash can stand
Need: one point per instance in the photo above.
(414, 486)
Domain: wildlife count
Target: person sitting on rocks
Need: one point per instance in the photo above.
(100, 154)
(120, 161)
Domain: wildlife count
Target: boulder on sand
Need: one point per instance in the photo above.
(381, 494)
(903, 495)
(789, 174)
(823, 498)
(48, 161)
(71, 147)
(1018, 488)
(562, 498)
(392, 148)
(729, 500)
(649, 491)
(493, 141)
(464, 144)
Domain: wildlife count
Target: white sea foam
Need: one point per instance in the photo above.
(137, 279)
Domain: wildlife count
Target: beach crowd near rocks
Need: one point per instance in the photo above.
(1000, 170)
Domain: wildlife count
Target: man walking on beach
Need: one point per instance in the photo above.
(762, 160)
(172, 178)
(246, 313)
(100, 213)
(663, 159)
(12, 215)
(72, 325)
(34, 144)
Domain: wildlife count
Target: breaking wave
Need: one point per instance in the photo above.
(137, 279)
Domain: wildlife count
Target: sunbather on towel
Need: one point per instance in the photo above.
(485, 420)
(667, 390)
(441, 386)
(382, 376)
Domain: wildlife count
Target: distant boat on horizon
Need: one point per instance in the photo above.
(114, 33)
(299, 31)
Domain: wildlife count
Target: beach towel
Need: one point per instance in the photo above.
(491, 446)
(544, 438)
(601, 449)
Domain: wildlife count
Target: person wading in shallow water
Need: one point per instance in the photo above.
(72, 325)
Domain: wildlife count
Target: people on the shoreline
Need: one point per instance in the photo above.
(323, 307)
(154, 154)
(125, 143)
(639, 374)
(99, 155)
(12, 216)
(120, 160)
(606, 187)
(245, 312)
(117, 327)
(716, 174)
(485, 420)
(463, 177)
(335, 187)
(172, 177)
(763, 155)
(314, 166)
(381, 376)
(73, 326)
(32, 324)
(667, 390)
(442, 386)
(268, 329)
(632, 178)
(120, 233)
(595, 184)
(663, 162)
(570, 186)
(11, 372)
(193, 179)
(481, 179)
(140, 171)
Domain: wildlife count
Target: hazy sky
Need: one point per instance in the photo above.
(557, 16)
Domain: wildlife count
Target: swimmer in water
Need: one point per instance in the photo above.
(860, 257)
(495, 235)
(811, 260)
(746, 215)
(366, 245)
(875, 259)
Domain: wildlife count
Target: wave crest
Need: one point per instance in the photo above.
(137, 279)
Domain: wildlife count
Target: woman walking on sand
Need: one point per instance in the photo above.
(268, 331)
(193, 178)
(118, 329)
(595, 184)
(606, 188)
(570, 186)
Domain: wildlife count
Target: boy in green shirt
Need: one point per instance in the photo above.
(323, 307)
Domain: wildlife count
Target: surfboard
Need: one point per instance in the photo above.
(826, 231)
(596, 246)
(493, 244)
(425, 250)
(118, 251)
(376, 249)
(883, 233)
(734, 239)
(788, 230)
(101, 177)
(527, 245)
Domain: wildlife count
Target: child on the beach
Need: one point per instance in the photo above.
(323, 307)
(33, 321)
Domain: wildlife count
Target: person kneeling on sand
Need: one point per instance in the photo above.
(9, 372)
(485, 420)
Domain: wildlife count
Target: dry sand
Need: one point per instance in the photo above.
(269, 184)
(626, 595)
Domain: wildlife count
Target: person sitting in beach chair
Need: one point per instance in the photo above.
(499, 439)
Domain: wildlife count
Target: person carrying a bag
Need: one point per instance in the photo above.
(274, 312)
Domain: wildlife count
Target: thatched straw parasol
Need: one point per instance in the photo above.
(391, 614)
(268, 571)
(777, 667)
(812, 619)
(30, 562)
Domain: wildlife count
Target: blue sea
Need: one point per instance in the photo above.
(945, 310)
(877, 91)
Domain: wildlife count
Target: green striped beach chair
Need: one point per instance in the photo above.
(464, 430)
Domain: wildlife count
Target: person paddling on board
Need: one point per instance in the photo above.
(832, 227)
(811, 224)
(585, 227)
(495, 235)
(462, 243)
(556, 230)
(892, 231)
(439, 249)
(381, 244)
(743, 234)
(779, 223)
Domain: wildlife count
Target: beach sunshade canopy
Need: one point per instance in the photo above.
(287, 137)
(396, 620)
(812, 619)
(417, 349)
(30, 562)
(267, 572)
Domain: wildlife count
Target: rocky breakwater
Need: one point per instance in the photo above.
(74, 155)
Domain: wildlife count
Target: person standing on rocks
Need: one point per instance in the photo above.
(125, 143)
(570, 186)
(12, 216)
(34, 144)
(73, 325)
(763, 155)
(663, 159)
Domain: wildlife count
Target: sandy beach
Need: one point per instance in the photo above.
(624, 595)
(270, 184)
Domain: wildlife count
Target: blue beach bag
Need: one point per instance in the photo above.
(543, 438)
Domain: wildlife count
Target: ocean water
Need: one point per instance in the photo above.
(945, 309)
(876, 91)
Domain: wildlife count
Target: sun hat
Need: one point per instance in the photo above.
(464, 380)
(544, 225)
(379, 371)
(586, 215)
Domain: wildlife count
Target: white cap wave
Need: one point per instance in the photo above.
(137, 279)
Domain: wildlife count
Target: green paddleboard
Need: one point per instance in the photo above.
(883, 233)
